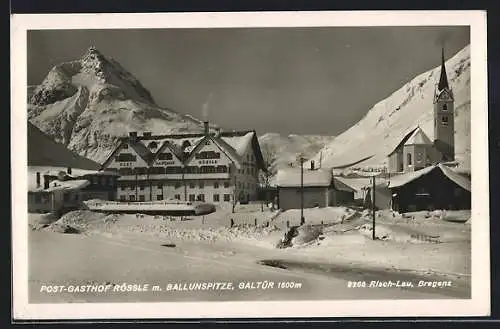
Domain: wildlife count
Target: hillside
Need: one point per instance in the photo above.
(44, 152)
(367, 143)
(286, 149)
(87, 103)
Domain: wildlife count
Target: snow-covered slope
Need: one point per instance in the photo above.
(87, 103)
(385, 124)
(285, 149)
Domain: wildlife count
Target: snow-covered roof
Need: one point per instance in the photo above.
(233, 142)
(342, 185)
(418, 138)
(239, 143)
(403, 179)
(291, 177)
(64, 185)
(75, 173)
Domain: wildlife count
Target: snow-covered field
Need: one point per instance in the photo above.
(128, 248)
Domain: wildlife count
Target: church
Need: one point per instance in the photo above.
(416, 151)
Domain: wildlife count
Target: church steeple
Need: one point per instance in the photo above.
(443, 79)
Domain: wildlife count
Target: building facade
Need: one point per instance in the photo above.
(434, 187)
(317, 188)
(65, 190)
(416, 150)
(210, 166)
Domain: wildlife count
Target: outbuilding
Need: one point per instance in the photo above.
(434, 187)
(320, 189)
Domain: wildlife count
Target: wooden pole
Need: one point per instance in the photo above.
(373, 208)
(301, 191)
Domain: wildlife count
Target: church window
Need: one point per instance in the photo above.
(408, 158)
(444, 120)
(445, 107)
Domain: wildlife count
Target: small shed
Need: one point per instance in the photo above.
(320, 189)
(434, 187)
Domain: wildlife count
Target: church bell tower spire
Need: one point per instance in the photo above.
(443, 79)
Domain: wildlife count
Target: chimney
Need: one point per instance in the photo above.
(69, 170)
(312, 164)
(132, 136)
(38, 179)
(206, 127)
(147, 134)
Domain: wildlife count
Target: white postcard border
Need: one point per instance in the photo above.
(479, 304)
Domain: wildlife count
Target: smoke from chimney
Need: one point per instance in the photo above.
(205, 107)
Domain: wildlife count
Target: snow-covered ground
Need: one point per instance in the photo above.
(114, 248)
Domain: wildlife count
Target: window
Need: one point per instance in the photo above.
(141, 170)
(125, 171)
(191, 184)
(216, 184)
(202, 184)
(445, 107)
(191, 197)
(160, 186)
(123, 197)
(226, 184)
(159, 197)
(216, 198)
(132, 187)
(153, 145)
(165, 156)
(66, 197)
(177, 185)
(408, 159)
(221, 169)
(123, 187)
(201, 197)
(207, 155)
(125, 146)
(444, 120)
(141, 187)
(227, 197)
(131, 197)
(126, 157)
(177, 197)
(174, 170)
(142, 198)
(157, 170)
(76, 197)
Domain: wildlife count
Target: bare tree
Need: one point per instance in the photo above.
(269, 156)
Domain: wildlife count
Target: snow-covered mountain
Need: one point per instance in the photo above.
(367, 143)
(286, 149)
(87, 103)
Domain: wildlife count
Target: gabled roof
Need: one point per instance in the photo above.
(418, 138)
(224, 148)
(403, 141)
(291, 177)
(167, 144)
(403, 179)
(341, 185)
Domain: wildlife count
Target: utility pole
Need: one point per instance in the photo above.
(373, 208)
(302, 219)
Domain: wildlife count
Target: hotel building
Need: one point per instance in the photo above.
(212, 166)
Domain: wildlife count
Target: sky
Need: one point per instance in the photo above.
(285, 80)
